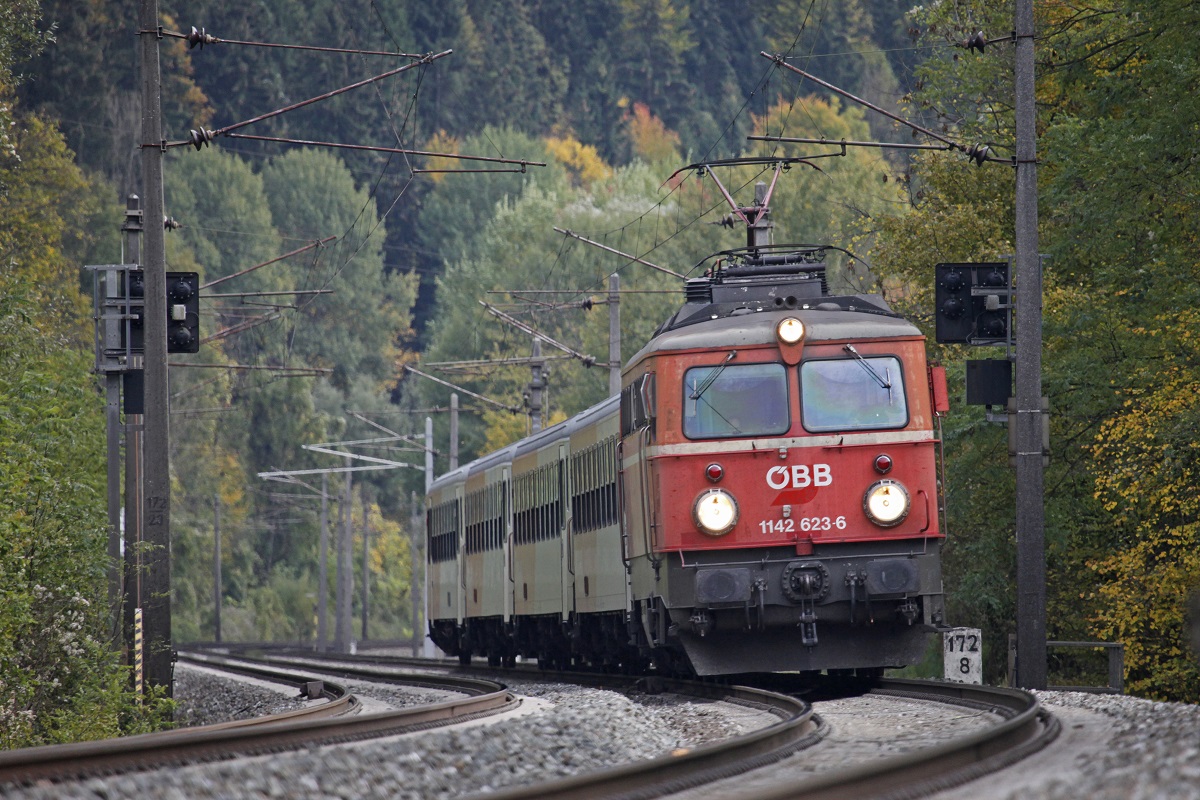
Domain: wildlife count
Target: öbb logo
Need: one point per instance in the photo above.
(799, 476)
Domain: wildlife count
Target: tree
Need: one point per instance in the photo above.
(60, 679)
(356, 329)
(655, 37)
(649, 137)
(1114, 137)
(841, 48)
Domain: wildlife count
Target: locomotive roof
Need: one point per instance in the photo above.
(854, 317)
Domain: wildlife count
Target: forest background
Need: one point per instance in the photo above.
(614, 95)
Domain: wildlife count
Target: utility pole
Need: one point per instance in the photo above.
(156, 520)
(323, 570)
(614, 334)
(416, 591)
(428, 453)
(1031, 549)
(342, 633)
(128, 529)
(453, 432)
(112, 414)
(537, 366)
(366, 563)
(217, 589)
(134, 405)
(429, 482)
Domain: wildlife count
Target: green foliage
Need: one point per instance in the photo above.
(1119, 362)
(60, 680)
(229, 426)
(456, 208)
(846, 49)
(87, 82)
(355, 329)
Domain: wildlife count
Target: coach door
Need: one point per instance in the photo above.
(509, 579)
(461, 605)
(564, 533)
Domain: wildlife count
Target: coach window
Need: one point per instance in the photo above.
(852, 394)
(742, 400)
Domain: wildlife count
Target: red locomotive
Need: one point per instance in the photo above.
(762, 497)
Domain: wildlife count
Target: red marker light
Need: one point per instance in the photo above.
(714, 472)
(883, 464)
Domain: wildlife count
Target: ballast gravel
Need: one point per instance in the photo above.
(1111, 747)
(565, 730)
(204, 697)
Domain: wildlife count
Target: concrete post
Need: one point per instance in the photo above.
(323, 570)
(453, 431)
(217, 588)
(366, 562)
(614, 334)
(1031, 551)
(156, 519)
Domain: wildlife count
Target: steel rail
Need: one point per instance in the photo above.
(269, 734)
(798, 727)
(346, 666)
(686, 768)
(1026, 728)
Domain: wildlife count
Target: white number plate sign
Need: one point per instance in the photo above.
(962, 650)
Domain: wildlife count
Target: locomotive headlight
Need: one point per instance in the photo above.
(715, 512)
(886, 503)
(790, 330)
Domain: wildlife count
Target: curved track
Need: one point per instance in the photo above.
(328, 723)
(1024, 729)
(796, 729)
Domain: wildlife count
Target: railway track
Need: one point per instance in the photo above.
(336, 721)
(796, 728)
(1023, 728)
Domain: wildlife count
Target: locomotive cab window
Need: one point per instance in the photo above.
(860, 393)
(735, 400)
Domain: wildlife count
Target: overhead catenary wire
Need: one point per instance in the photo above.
(201, 137)
(586, 359)
(488, 400)
(398, 150)
(633, 259)
(977, 152)
(231, 276)
(199, 38)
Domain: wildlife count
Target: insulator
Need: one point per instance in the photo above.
(978, 152)
(977, 41)
(199, 37)
(171, 224)
(200, 138)
(587, 304)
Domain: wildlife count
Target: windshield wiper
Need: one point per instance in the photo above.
(712, 376)
(883, 383)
